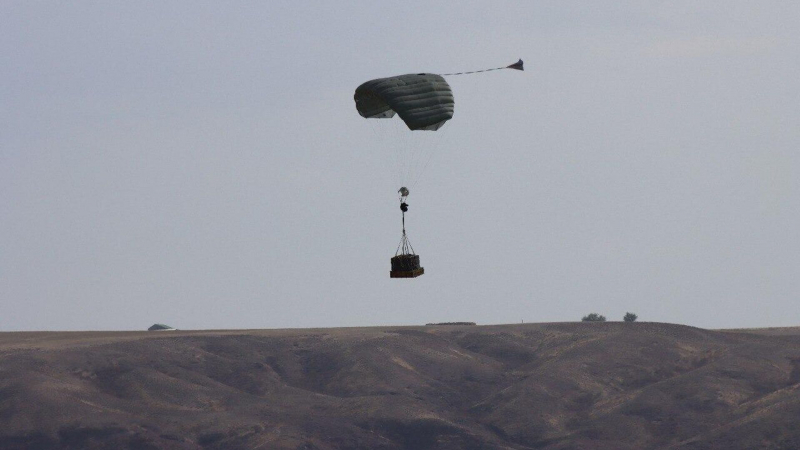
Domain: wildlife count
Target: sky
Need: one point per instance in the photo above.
(202, 164)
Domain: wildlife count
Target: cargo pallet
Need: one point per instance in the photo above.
(407, 273)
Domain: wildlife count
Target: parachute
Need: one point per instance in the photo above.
(424, 102)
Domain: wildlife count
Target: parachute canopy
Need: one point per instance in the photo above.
(424, 101)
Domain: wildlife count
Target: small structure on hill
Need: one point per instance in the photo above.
(160, 327)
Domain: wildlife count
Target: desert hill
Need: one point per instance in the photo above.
(554, 386)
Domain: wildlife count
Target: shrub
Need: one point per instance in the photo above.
(630, 317)
(594, 317)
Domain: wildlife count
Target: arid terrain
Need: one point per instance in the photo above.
(552, 386)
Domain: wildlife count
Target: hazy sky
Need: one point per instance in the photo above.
(203, 164)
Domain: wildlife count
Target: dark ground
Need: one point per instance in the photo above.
(551, 386)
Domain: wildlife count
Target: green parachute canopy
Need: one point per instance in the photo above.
(424, 101)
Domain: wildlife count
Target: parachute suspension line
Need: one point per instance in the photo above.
(394, 134)
(406, 153)
(435, 144)
(412, 153)
(416, 144)
(517, 66)
(404, 149)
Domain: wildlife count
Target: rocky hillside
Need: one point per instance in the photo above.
(549, 386)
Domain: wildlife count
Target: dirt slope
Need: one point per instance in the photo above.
(553, 386)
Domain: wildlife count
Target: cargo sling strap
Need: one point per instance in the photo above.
(404, 248)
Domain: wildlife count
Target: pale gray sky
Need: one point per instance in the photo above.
(203, 164)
